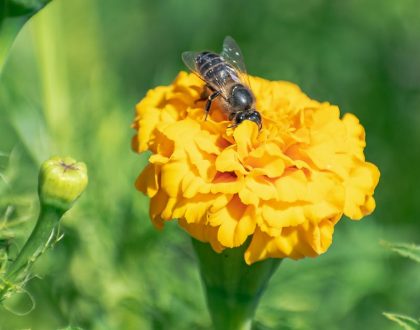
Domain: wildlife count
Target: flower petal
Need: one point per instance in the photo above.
(235, 223)
(245, 136)
(147, 181)
(228, 161)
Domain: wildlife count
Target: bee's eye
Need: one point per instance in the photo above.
(240, 118)
(255, 116)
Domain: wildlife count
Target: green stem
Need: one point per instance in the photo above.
(233, 288)
(36, 244)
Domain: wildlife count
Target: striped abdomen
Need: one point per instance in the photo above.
(215, 70)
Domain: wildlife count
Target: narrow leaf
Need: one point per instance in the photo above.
(406, 250)
(406, 322)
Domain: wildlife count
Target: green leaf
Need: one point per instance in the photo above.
(406, 250)
(13, 15)
(14, 8)
(406, 322)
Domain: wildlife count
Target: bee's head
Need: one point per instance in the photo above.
(252, 115)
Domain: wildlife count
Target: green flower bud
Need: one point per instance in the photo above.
(61, 182)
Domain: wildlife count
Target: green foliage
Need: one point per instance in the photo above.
(15, 210)
(405, 322)
(14, 8)
(410, 251)
(13, 15)
(69, 87)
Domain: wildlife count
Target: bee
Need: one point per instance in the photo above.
(226, 79)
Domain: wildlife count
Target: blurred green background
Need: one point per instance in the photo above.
(69, 87)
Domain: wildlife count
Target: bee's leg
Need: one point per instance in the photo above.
(204, 96)
(232, 126)
(232, 117)
(205, 93)
(210, 99)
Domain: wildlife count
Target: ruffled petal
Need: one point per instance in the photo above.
(235, 223)
(147, 181)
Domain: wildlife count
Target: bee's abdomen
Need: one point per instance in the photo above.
(214, 69)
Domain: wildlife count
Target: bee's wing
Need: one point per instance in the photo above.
(232, 54)
(189, 59)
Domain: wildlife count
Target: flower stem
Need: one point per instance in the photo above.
(233, 288)
(40, 238)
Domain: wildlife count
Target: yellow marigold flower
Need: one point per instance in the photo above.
(284, 187)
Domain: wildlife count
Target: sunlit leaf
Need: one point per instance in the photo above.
(14, 8)
(13, 15)
(407, 250)
(406, 322)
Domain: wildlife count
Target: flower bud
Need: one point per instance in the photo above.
(61, 182)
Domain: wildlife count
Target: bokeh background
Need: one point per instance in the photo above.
(69, 87)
